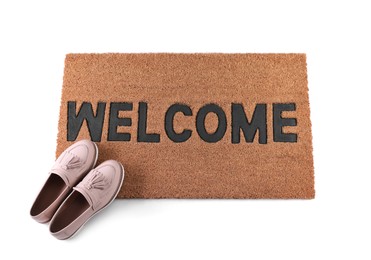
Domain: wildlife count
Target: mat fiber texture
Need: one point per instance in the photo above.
(194, 125)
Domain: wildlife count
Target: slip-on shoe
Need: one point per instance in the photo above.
(69, 169)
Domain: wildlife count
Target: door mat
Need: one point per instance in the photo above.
(194, 125)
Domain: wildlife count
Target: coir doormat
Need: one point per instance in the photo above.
(194, 125)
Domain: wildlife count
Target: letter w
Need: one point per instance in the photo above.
(75, 120)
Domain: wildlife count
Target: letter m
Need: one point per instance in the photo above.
(94, 122)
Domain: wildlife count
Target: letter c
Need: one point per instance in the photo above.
(169, 123)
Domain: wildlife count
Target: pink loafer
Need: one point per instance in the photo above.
(95, 192)
(69, 169)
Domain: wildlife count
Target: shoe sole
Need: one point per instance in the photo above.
(109, 203)
(96, 155)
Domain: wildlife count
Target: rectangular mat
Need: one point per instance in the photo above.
(194, 125)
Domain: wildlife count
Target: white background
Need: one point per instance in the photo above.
(34, 38)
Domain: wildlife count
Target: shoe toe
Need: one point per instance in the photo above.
(81, 151)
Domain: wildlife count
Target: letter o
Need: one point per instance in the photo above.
(200, 123)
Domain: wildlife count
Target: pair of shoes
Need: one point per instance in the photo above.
(75, 191)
